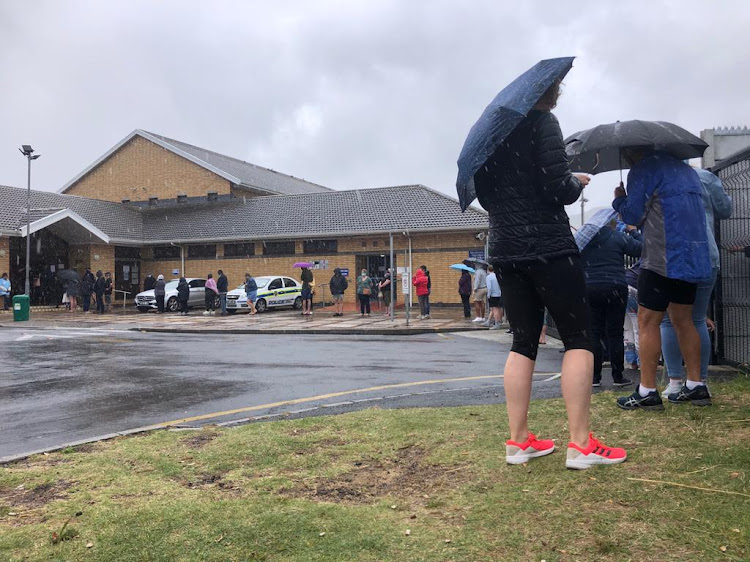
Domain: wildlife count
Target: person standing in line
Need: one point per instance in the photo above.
(429, 290)
(665, 196)
(524, 187)
(607, 294)
(251, 292)
(183, 295)
(480, 292)
(211, 292)
(338, 284)
(494, 294)
(87, 287)
(420, 282)
(72, 289)
(385, 290)
(5, 290)
(99, 286)
(149, 282)
(718, 206)
(306, 276)
(107, 291)
(464, 290)
(160, 293)
(364, 290)
(222, 285)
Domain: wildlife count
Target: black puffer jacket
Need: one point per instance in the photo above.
(524, 187)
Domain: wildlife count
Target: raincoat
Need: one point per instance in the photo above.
(420, 282)
(718, 206)
(602, 258)
(665, 197)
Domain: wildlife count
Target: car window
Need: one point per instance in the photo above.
(171, 286)
(289, 282)
(275, 284)
(261, 282)
(197, 284)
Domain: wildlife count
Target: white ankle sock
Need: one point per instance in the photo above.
(643, 391)
(692, 384)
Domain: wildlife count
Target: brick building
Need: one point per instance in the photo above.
(156, 205)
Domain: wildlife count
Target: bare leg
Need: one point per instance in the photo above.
(577, 376)
(518, 374)
(478, 309)
(681, 316)
(649, 322)
(543, 338)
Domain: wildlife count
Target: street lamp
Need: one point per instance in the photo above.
(28, 152)
(583, 207)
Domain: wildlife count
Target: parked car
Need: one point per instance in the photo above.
(146, 300)
(273, 291)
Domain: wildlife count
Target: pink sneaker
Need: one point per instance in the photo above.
(595, 453)
(519, 453)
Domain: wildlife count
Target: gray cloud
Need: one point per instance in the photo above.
(348, 94)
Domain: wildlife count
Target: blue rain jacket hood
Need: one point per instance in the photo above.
(718, 206)
(665, 198)
(602, 258)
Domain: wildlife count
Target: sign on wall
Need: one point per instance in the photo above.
(344, 272)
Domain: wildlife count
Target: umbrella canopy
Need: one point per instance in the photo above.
(302, 264)
(463, 267)
(499, 119)
(475, 261)
(599, 149)
(586, 233)
(68, 275)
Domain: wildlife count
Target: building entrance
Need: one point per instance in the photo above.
(49, 254)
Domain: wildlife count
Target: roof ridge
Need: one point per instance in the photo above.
(171, 140)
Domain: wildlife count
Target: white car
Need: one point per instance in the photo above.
(146, 300)
(273, 291)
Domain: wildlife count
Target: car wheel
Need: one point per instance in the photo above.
(172, 304)
(298, 303)
(217, 303)
(143, 308)
(260, 305)
(231, 311)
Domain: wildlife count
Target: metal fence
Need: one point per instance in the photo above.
(732, 299)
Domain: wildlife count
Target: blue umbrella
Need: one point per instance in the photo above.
(499, 119)
(463, 267)
(586, 233)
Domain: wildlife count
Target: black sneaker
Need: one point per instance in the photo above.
(699, 396)
(622, 382)
(635, 401)
(596, 383)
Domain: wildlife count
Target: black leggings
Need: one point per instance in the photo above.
(556, 284)
(364, 303)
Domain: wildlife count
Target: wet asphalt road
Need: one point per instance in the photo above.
(61, 386)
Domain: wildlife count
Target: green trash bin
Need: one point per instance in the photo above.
(21, 308)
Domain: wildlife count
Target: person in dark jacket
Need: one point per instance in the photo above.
(108, 286)
(99, 286)
(222, 285)
(307, 290)
(464, 289)
(149, 282)
(338, 284)
(183, 295)
(386, 287)
(159, 293)
(86, 288)
(607, 294)
(524, 186)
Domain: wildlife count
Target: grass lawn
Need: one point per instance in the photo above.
(427, 484)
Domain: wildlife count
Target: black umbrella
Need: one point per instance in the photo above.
(600, 149)
(68, 275)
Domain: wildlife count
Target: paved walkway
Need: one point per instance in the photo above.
(274, 321)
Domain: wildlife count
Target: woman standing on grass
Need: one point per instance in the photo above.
(524, 186)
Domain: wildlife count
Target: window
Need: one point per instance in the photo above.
(243, 250)
(197, 284)
(321, 246)
(202, 251)
(275, 284)
(290, 282)
(127, 252)
(166, 252)
(278, 248)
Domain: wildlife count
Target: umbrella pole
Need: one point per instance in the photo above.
(619, 153)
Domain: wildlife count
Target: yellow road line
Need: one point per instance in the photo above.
(325, 397)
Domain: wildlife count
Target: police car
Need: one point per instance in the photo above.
(273, 291)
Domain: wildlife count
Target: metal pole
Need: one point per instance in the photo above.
(28, 228)
(393, 277)
(583, 206)
(407, 299)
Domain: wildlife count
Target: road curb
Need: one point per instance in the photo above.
(316, 331)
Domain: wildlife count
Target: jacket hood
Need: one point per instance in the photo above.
(604, 234)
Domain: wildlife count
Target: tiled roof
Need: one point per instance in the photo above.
(117, 220)
(250, 175)
(363, 211)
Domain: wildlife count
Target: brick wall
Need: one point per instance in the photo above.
(141, 169)
(4, 255)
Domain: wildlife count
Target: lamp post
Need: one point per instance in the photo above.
(28, 152)
(583, 208)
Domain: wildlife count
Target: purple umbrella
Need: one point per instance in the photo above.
(302, 264)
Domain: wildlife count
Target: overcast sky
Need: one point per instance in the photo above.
(348, 93)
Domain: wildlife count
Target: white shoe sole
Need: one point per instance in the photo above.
(526, 457)
(584, 464)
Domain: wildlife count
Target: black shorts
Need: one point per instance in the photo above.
(556, 284)
(656, 292)
(496, 302)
